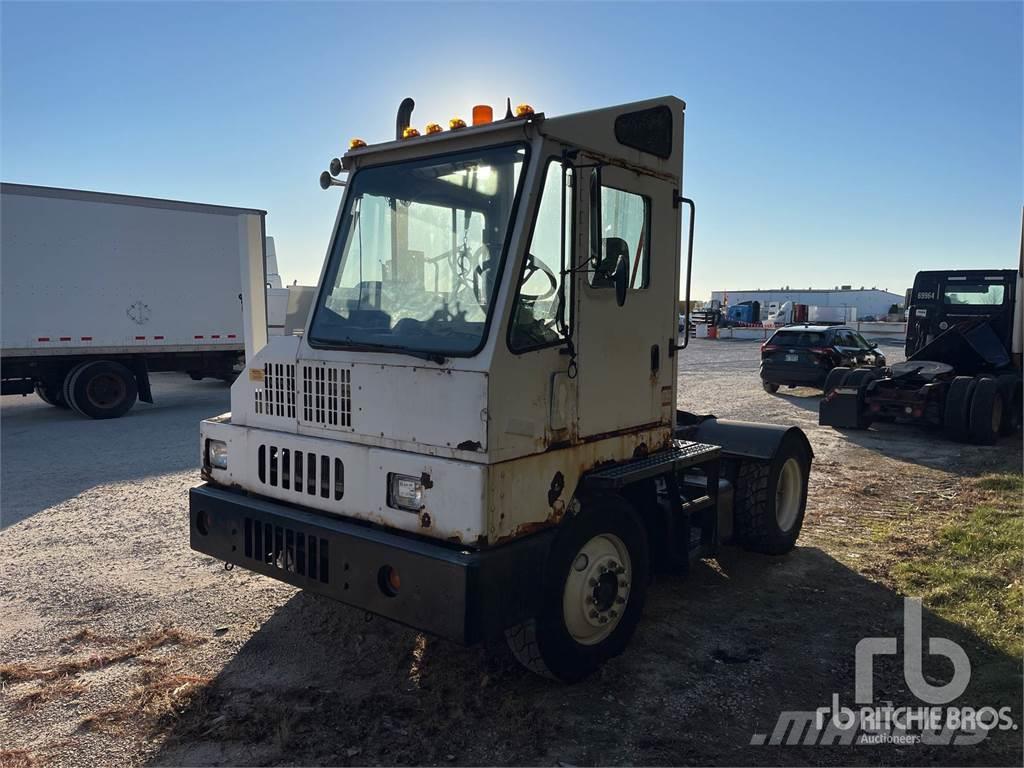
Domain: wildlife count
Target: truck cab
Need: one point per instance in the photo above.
(476, 434)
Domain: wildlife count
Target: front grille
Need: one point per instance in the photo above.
(304, 472)
(327, 396)
(277, 395)
(289, 550)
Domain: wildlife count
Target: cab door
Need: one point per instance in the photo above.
(625, 374)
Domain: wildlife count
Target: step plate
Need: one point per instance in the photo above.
(681, 454)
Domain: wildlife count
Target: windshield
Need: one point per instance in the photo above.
(418, 254)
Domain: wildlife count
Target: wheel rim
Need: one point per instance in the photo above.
(787, 495)
(597, 589)
(105, 390)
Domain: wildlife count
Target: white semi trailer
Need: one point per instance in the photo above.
(476, 435)
(98, 290)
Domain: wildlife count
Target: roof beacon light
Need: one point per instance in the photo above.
(455, 123)
(482, 114)
(409, 132)
(356, 144)
(524, 110)
(433, 128)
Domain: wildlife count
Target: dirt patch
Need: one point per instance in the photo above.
(249, 671)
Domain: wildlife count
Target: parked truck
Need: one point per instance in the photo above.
(100, 290)
(963, 368)
(476, 435)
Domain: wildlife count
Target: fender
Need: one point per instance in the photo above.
(738, 439)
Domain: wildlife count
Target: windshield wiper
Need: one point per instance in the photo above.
(433, 357)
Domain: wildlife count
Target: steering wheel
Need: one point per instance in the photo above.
(532, 267)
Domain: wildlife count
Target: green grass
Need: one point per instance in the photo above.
(973, 572)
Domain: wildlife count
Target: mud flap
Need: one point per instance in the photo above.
(843, 407)
(141, 371)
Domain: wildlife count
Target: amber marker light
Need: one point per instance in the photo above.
(524, 110)
(482, 114)
(455, 123)
(433, 128)
(409, 132)
(356, 144)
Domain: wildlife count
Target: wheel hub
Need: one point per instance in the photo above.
(105, 390)
(597, 589)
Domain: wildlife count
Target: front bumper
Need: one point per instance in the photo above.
(459, 594)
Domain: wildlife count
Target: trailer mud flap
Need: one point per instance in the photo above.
(843, 407)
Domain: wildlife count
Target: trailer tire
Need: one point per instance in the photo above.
(771, 498)
(987, 407)
(581, 622)
(771, 389)
(51, 395)
(101, 389)
(835, 378)
(1013, 407)
(956, 419)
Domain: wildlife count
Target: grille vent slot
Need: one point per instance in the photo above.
(327, 396)
(277, 395)
(304, 472)
(288, 550)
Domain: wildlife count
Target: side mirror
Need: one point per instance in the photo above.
(621, 280)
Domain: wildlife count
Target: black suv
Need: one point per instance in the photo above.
(802, 355)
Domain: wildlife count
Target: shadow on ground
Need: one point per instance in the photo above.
(51, 455)
(716, 659)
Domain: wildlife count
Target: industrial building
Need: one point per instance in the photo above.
(867, 301)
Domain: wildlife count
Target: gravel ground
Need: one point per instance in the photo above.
(121, 646)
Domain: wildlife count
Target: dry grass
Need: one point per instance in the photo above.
(44, 693)
(156, 697)
(19, 672)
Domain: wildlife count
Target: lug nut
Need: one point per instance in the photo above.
(603, 619)
(593, 614)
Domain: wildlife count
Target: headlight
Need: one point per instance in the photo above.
(217, 454)
(405, 492)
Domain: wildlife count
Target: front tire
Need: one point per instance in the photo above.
(594, 590)
(771, 498)
(771, 389)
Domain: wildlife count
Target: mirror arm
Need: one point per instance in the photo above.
(677, 199)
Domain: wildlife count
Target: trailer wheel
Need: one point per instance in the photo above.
(987, 407)
(1013, 408)
(51, 395)
(956, 418)
(771, 497)
(101, 389)
(594, 591)
(835, 378)
(771, 389)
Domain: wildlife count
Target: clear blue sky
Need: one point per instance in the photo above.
(826, 143)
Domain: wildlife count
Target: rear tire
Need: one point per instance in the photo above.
(101, 389)
(956, 420)
(771, 389)
(986, 412)
(51, 395)
(589, 607)
(771, 498)
(835, 378)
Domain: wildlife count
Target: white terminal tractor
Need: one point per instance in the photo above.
(476, 433)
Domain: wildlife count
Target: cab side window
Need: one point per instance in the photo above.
(625, 232)
(541, 315)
